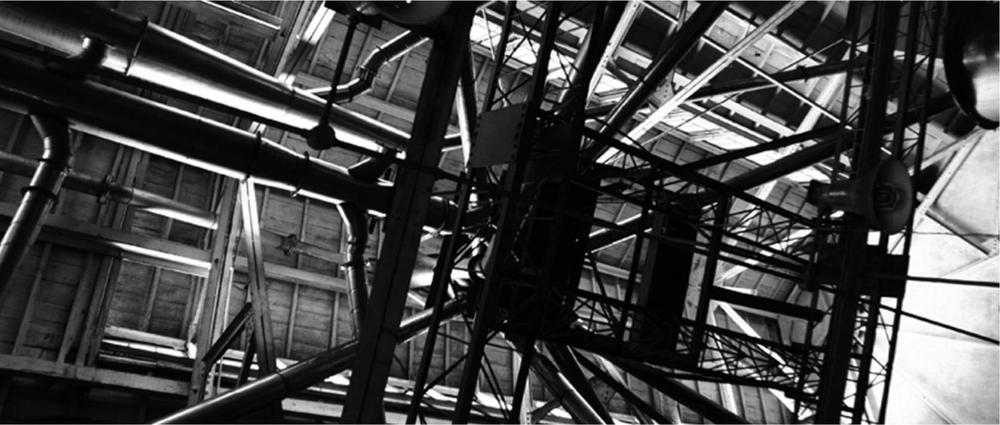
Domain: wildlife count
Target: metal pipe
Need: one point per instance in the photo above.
(575, 404)
(105, 189)
(355, 226)
(150, 53)
(39, 195)
(295, 378)
(678, 44)
(368, 70)
(184, 137)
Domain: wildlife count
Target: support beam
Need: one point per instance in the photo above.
(680, 392)
(263, 332)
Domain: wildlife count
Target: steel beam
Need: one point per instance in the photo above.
(728, 88)
(678, 45)
(503, 240)
(624, 391)
(841, 341)
(680, 392)
(632, 11)
(410, 205)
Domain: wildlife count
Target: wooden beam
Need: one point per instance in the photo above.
(24, 366)
(87, 236)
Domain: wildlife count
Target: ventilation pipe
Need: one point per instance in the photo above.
(157, 56)
(273, 388)
(105, 189)
(187, 138)
(39, 195)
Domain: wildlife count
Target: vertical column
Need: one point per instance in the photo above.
(380, 329)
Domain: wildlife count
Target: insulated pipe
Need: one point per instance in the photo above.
(187, 138)
(368, 70)
(147, 201)
(354, 260)
(157, 56)
(273, 388)
(39, 195)
(679, 44)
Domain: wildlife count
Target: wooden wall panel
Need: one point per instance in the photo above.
(131, 295)
(159, 178)
(170, 304)
(312, 322)
(13, 302)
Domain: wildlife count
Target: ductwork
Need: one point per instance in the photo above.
(368, 70)
(102, 188)
(39, 195)
(187, 138)
(274, 388)
(150, 53)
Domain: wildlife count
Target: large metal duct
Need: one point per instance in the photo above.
(160, 57)
(184, 137)
(302, 375)
(102, 188)
(39, 195)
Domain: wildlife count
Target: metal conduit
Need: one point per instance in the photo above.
(102, 188)
(184, 137)
(302, 375)
(150, 53)
(39, 195)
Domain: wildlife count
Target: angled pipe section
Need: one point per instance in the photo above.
(157, 56)
(295, 378)
(105, 189)
(368, 70)
(39, 195)
(184, 137)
